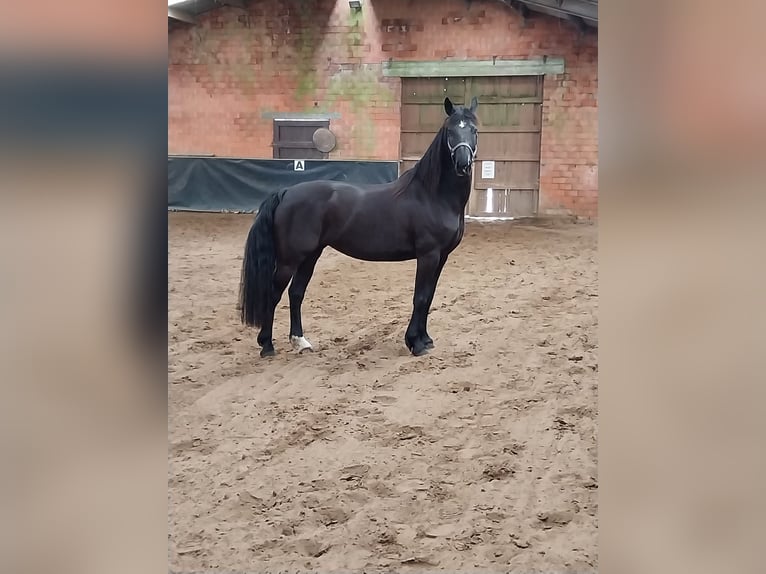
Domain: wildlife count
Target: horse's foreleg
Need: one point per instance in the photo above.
(296, 292)
(265, 339)
(429, 342)
(425, 284)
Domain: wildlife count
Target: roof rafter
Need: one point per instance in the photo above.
(181, 16)
(582, 13)
(234, 3)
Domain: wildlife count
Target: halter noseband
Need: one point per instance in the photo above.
(452, 150)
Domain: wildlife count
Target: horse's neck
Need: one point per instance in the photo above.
(450, 188)
(455, 190)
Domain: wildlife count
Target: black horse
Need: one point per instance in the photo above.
(418, 216)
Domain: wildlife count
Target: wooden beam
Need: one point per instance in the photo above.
(521, 9)
(582, 27)
(181, 16)
(439, 100)
(235, 3)
(461, 68)
(585, 9)
(300, 116)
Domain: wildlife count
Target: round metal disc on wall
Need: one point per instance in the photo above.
(324, 140)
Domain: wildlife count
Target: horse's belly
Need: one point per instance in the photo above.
(371, 226)
(368, 247)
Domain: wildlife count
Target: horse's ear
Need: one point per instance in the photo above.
(448, 107)
(474, 104)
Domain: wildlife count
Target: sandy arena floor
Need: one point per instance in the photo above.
(360, 457)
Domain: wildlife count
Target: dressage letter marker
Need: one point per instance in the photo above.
(299, 165)
(488, 170)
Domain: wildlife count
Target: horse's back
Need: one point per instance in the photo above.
(308, 190)
(309, 209)
(362, 221)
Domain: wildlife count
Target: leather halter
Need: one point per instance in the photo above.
(452, 150)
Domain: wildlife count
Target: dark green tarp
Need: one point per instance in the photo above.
(240, 185)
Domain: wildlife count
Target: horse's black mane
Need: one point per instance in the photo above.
(428, 170)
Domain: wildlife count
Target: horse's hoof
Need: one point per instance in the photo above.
(301, 344)
(268, 353)
(419, 352)
(429, 344)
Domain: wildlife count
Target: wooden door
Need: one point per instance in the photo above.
(293, 139)
(506, 173)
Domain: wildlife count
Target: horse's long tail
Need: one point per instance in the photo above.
(256, 286)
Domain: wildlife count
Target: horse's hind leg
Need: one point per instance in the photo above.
(265, 338)
(296, 292)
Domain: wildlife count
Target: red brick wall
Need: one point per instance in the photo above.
(569, 147)
(232, 72)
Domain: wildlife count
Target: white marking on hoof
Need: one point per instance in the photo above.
(301, 344)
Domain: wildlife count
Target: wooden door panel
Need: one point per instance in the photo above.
(294, 139)
(510, 175)
(510, 110)
(498, 117)
(502, 202)
(422, 117)
(432, 90)
(508, 87)
(406, 164)
(410, 116)
(512, 146)
(415, 144)
(432, 117)
(300, 153)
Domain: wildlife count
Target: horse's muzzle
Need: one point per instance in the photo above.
(463, 170)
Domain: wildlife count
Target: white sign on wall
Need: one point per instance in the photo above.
(488, 170)
(299, 165)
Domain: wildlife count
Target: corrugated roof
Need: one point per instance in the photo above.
(583, 13)
(580, 12)
(187, 10)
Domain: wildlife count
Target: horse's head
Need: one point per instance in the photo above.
(462, 135)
